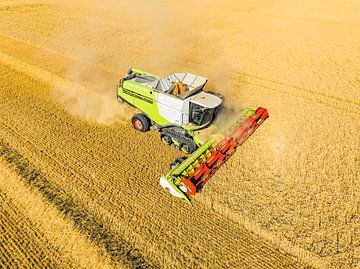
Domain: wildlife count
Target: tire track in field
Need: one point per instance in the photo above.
(310, 258)
(264, 261)
(317, 100)
(20, 242)
(166, 237)
(205, 206)
(75, 173)
(309, 100)
(73, 246)
(252, 79)
(117, 248)
(332, 101)
(312, 95)
(62, 83)
(45, 76)
(282, 242)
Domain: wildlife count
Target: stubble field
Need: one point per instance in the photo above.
(79, 187)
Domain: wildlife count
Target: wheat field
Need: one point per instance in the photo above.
(79, 186)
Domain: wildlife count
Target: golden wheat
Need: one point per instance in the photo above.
(288, 198)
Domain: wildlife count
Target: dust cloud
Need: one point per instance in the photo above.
(162, 52)
(96, 100)
(92, 95)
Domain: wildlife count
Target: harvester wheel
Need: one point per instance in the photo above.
(177, 139)
(188, 147)
(175, 146)
(185, 148)
(166, 139)
(140, 122)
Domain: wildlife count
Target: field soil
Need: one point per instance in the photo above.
(79, 186)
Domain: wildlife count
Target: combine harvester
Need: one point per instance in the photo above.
(183, 113)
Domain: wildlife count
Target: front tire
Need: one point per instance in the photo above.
(166, 139)
(140, 122)
(188, 147)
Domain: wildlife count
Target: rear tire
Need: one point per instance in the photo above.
(140, 122)
(178, 139)
(185, 148)
(166, 139)
(188, 147)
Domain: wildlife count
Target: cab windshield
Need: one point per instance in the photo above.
(200, 115)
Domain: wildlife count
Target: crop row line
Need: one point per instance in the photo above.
(84, 220)
(252, 79)
(25, 240)
(112, 207)
(90, 186)
(37, 120)
(262, 258)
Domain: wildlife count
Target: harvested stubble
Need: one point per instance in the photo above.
(288, 198)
